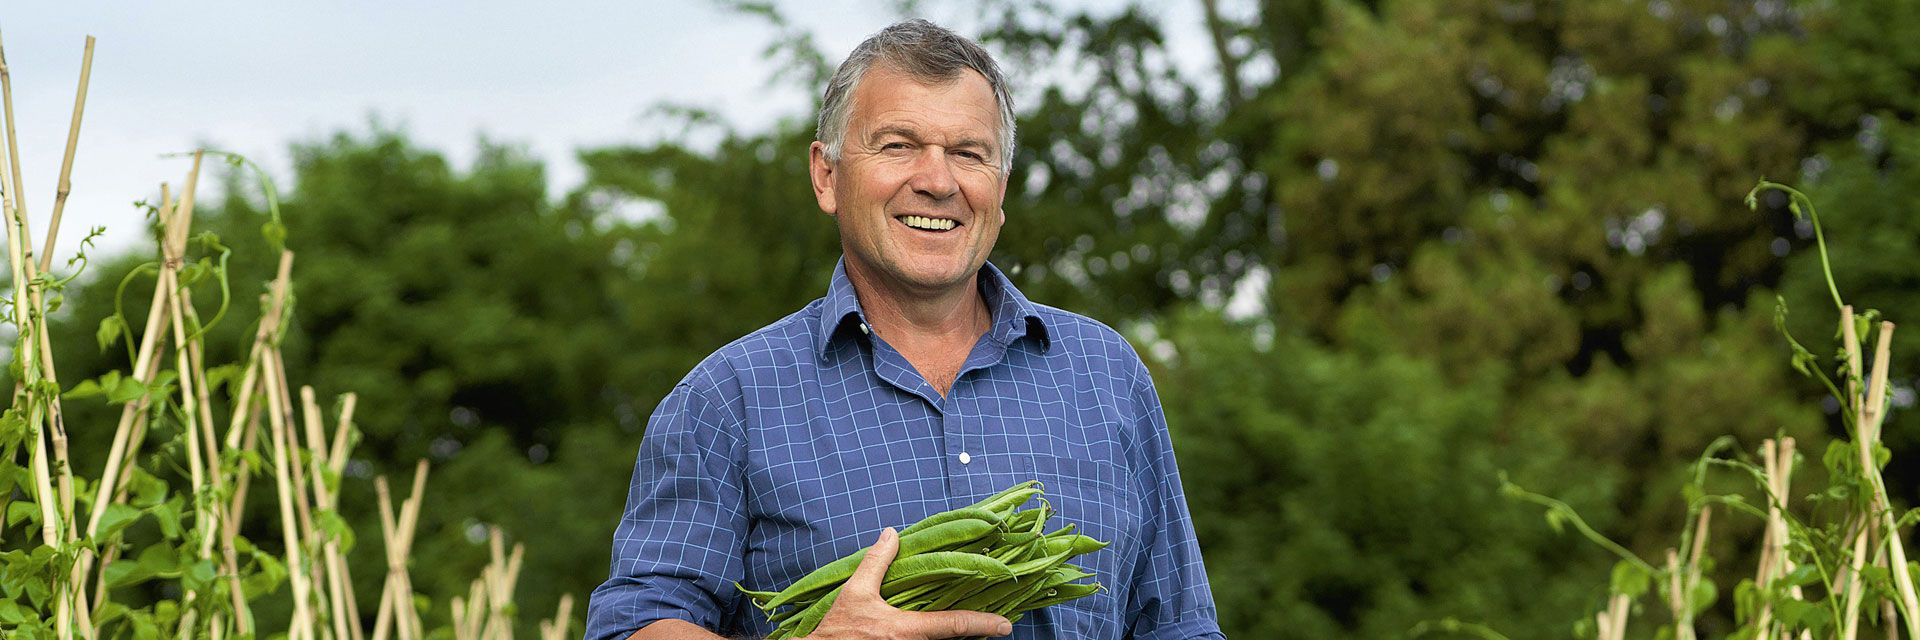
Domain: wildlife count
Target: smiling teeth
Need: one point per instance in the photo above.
(930, 224)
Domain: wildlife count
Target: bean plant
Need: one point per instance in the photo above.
(1831, 563)
(151, 545)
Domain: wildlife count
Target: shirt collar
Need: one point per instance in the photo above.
(1013, 315)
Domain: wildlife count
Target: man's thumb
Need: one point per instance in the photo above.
(873, 567)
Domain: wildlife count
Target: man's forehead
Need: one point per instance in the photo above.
(886, 90)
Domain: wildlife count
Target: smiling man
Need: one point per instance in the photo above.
(922, 382)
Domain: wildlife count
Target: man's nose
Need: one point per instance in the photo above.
(933, 175)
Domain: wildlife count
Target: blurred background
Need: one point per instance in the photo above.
(1375, 253)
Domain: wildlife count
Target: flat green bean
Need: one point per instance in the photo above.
(1006, 496)
(950, 516)
(936, 538)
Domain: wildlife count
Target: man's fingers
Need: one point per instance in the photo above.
(961, 624)
(873, 568)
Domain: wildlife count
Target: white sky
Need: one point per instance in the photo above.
(251, 77)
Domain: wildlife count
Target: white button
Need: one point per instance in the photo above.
(964, 458)
(864, 329)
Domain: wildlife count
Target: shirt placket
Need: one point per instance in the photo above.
(959, 459)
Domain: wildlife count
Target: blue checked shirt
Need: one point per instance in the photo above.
(796, 445)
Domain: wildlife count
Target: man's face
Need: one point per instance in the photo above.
(918, 187)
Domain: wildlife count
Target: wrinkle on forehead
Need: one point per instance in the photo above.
(976, 116)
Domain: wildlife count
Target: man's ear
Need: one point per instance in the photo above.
(1005, 178)
(821, 171)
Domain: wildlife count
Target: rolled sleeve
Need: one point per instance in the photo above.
(1170, 598)
(678, 548)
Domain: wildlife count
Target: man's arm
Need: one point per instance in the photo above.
(679, 546)
(671, 629)
(1171, 599)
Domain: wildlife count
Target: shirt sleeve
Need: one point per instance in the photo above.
(1170, 598)
(679, 546)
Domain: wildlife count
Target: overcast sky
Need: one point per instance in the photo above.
(251, 77)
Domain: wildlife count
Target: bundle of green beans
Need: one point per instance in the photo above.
(990, 556)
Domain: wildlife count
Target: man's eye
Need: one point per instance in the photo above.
(893, 146)
(973, 156)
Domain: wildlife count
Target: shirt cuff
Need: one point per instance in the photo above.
(1186, 630)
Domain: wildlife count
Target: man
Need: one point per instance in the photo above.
(922, 382)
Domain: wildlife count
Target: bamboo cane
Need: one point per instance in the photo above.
(157, 318)
(396, 606)
(383, 620)
(267, 334)
(204, 514)
(282, 406)
(409, 519)
(556, 628)
(229, 560)
(37, 337)
(45, 424)
(338, 459)
(459, 617)
(1676, 596)
(19, 248)
(302, 625)
(146, 365)
(324, 500)
(71, 608)
(476, 609)
(66, 163)
(1876, 399)
(1770, 542)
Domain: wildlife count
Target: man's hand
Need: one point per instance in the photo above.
(859, 613)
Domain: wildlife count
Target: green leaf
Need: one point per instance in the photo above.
(12, 613)
(1630, 579)
(1800, 576)
(160, 560)
(1746, 600)
(91, 388)
(337, 528)
(146, 490)
(9, 478)
(39, 592)
(144, 627)
(117, 518)
(124, 390)
(1705, 593)
(226, 374)
(20, 511)
(193, 272)
(108, 612)
(109, 332)
(123, 573)
(168, 516)
(275, 233)
(198, 577)
(266, 580)
(1796, 613)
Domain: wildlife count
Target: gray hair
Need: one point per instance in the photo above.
(927, 53)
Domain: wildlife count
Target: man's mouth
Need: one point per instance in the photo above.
(927, 224)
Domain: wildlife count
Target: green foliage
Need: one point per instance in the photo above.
(1348, 495)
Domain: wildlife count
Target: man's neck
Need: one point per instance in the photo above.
(921, 315)
(934, 330)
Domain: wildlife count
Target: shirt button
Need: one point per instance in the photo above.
(864, 329)
(964, 458)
